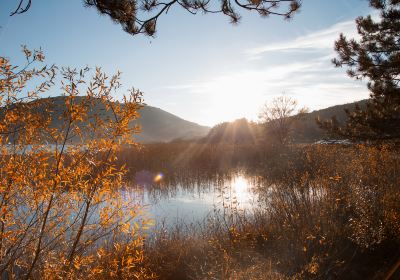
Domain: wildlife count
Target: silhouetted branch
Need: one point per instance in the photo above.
(141, 16)
(20, 9)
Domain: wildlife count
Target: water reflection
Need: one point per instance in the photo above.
(193, 197)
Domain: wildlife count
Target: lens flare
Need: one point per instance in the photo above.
(158, 177)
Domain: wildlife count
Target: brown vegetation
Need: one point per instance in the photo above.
(331, 212)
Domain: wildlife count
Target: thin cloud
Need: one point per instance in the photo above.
(307, 74)
(320, 40)
(315, 83)
(263, 76)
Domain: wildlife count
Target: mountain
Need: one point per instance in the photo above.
(304, 129)
(307, 130)
(239, 132)
(156, 125)
(161, 126)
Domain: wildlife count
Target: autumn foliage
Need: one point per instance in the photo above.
(62, 212)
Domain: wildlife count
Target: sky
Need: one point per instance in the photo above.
(200, 68)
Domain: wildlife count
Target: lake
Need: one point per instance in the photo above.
(192, 198)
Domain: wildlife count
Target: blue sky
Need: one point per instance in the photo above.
(201, 68)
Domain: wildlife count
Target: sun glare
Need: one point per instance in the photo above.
(240, 187)
(238, 95)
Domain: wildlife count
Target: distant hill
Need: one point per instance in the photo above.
(239, 132)
(156, 125)
(161, 126)
(305, 130)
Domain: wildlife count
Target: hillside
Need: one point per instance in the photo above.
(305, 130)
(237, 132)
(156, 125)
(161, 126)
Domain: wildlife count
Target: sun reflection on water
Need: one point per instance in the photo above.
(240, 187)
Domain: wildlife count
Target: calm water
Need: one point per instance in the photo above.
(192, 199)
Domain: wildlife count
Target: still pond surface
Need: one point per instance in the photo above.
(192, 199)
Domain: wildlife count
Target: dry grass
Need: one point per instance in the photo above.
(332, 212)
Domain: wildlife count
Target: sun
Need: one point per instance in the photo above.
(234, 96)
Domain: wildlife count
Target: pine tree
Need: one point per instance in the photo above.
(141, 17)
(376, 58)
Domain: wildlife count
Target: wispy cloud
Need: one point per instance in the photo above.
(315, 83)
(306, 74)
(319, 40)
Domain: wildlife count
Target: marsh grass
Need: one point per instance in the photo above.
(331, 212)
